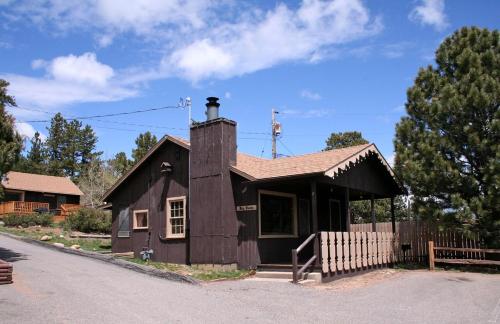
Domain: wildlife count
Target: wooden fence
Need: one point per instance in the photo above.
(457, 256)
(21, 207)
(6, 270)
(411, 241)
(343, 252)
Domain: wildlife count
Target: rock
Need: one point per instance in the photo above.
(46, 238)
(19, 226)
(75, 247)
(2, 223)
(61, 235)
(59, 245)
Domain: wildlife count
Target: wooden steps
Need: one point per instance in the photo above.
(283, 272)
(6, 270)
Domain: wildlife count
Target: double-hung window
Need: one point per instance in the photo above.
(176, 217)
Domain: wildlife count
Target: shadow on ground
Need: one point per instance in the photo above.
(11, 256)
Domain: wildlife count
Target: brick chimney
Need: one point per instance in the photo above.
(213, 222)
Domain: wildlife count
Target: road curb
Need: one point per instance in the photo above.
(110, 259)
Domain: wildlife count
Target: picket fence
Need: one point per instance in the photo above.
(353, 251)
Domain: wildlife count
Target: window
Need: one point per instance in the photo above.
(277, 214)
(124, 222)
(141, 219)
(176, 217)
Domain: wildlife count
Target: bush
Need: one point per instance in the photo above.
(25, 220)
(89, 220)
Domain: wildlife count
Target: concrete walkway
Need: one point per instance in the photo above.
(54, 287)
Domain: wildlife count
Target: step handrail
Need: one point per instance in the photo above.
(295, 260)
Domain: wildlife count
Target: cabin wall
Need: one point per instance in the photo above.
(50, 198)
(148, 189)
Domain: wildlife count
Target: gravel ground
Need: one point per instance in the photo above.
(54, 287)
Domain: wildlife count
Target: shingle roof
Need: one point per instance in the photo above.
(40, 183)
(320, 162)
(253, 168)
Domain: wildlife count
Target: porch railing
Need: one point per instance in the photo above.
(21, 207)
(295, 259)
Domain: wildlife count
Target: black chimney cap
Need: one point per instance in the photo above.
(212, 102)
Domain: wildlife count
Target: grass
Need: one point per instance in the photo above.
(36, 233)
(193, 271)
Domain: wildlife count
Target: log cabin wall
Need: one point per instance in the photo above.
(213, 220)
(147, 188)
(50, 198)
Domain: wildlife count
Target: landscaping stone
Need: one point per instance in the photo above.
(46, 238)
(61, 245)
(75, 247)
(2, 223)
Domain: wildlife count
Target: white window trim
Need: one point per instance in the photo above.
(135, 219)
(169, 234)
(294, 207)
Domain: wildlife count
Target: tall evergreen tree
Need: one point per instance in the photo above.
(36, 158)
(120, 164)
(448, 147)
(10, 140)
(143, 143)
(55, 145)
(346, 139)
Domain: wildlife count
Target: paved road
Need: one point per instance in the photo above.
(54, 287)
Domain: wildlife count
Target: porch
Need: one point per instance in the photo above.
(29, 207)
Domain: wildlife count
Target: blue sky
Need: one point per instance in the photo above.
(326, 66)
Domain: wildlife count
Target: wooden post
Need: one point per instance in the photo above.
(393, 218)
(372, 212)
(347, 211)
(314, 212)
(431, 255)
(295, 277)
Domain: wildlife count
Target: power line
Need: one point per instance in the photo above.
(286, 147)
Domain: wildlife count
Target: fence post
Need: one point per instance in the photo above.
(295, 278)
(431, 255)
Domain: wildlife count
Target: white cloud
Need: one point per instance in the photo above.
(310, 95)
(310, 113)
(267, 39)
(390, 159)
(69, 79)
(27, 131)
(396, 50)
(227, 95)
(430, 12)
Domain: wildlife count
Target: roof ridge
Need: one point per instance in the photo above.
(42, 175)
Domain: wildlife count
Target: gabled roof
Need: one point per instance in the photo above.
(329, 163)
(40, 183)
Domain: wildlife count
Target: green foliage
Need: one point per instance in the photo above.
(10, 140)
(120, 164)
(70, 147)
(25, 220)
(144, 142)
(448, 147)
(346, 139)
(361, 210)
(89, 220)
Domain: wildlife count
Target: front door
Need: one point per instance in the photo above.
(335, 219)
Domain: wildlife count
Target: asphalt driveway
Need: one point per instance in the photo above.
(55, 287)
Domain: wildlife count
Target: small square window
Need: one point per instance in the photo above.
(141, 219)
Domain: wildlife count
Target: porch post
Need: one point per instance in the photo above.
(347, 211)
(393, 218)
(372, 213)
(314, 211)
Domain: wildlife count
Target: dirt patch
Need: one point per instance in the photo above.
(360, 281)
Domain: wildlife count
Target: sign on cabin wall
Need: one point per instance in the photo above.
(246, 208)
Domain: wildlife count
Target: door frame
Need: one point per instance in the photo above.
(330, 216)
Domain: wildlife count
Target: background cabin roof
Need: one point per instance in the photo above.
(253, 168)
(40, 183)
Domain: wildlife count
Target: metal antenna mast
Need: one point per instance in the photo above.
(276, 131)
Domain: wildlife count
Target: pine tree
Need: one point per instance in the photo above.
(55, 145)
(144, 142)
(10, 140)
(448, 147)
(346, 139)
(37, 158)
(120, 164)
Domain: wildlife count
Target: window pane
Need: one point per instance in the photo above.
(141, 219)
(176, 217)
(276, 215)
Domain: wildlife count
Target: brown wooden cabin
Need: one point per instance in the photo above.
(27, 193)
(202, 202)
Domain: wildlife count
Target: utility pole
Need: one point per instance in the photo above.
(276, 131)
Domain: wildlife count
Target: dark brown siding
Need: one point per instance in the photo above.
(214, 230)
(148, 189)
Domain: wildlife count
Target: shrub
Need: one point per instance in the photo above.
(89, 220)
(25, 220)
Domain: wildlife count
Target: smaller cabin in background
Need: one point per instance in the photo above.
(27, 193)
